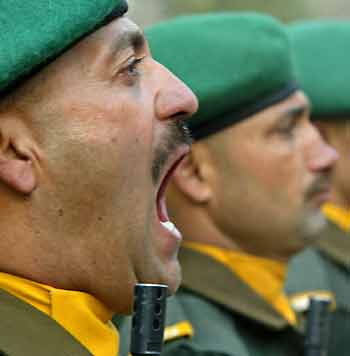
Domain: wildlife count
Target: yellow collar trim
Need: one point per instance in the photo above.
(176, 331)
(266, 277)
(338, 215)
(82, 315)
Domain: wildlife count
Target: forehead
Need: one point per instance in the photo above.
(291, 106)
(117, 36)
(253, 128)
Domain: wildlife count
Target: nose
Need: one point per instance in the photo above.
(174, 98)
(323, 157)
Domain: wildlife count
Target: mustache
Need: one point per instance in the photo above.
(177, 135)
(320, 184)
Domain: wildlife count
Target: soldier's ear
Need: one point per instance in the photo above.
(17, 170)
(190, 181)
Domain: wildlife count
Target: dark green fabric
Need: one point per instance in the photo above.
(25, 331)
(219, 331)
(33, 32)
(236, 63)
(327, 267)
(322, 54)
(228, 317)
(217, 284)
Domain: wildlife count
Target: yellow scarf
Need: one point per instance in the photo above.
(266, 277)
(339, 216)
(82, 315)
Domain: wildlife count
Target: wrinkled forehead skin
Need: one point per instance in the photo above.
(34, 33)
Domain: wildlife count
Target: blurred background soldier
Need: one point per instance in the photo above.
(248, 196)
(322, 56)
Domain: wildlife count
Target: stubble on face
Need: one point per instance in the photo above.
(176, 135)
(309, 226)
(311, 220)
(159, 267)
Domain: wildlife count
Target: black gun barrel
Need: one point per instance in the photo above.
(317, 329)
(148, 320)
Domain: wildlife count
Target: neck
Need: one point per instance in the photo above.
(202, 230)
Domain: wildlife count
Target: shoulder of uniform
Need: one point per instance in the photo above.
(178, 324)
(300, 302)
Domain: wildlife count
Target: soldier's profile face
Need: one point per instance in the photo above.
(272, 175)
(106, 116)
(337, 133)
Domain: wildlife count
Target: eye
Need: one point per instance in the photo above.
(130, 73)
(132, 66)
(288, 129)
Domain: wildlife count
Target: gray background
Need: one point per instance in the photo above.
(147, 12)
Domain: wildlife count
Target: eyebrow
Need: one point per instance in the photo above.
(294, 113)
(134, 39)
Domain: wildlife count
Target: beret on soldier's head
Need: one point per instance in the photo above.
(322, 52)
(236, 63)
(35, 32)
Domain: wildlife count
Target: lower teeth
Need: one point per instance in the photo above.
(171, 228)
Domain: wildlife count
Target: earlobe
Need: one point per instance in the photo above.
(18, 174)
(16, 165)
(190, 182)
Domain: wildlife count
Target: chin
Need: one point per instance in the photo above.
(312, 225)
(168, 274)
(174, 280)
(171, 276)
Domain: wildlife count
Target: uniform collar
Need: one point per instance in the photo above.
(338, 215)
(82, 315)
(221, 285)
(335, 243)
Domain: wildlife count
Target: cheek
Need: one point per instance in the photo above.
(277, 172)
(126, 131)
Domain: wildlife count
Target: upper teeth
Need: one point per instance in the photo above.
(171, 228)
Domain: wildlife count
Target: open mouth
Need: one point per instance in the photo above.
(162, 210)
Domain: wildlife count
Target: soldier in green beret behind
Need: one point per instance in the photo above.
(248, 196)
(322, 57)
(91, 128)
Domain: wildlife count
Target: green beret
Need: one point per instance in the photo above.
(322, 52)
(35, 32)
(236, 63)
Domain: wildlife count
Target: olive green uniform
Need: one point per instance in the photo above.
(25, 331)
(227, 316)
(327, 267)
